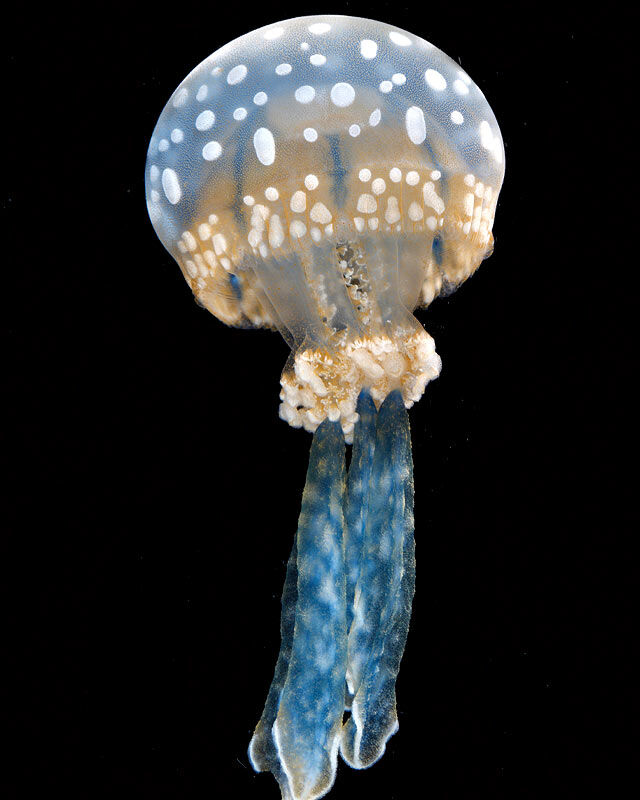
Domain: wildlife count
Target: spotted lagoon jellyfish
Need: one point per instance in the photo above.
(326, 176)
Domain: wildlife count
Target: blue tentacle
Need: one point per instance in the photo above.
(384, 591)
(305, 733)
(262, 749)
(356, 503)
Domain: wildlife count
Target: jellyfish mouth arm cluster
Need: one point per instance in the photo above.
(346, 606)
(323, 384)
(365, 338)
(325, 176)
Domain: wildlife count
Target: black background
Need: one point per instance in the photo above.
(153, 491)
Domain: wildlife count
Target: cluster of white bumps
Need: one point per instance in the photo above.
(325, 385)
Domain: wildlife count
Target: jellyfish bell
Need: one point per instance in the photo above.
(326, 176)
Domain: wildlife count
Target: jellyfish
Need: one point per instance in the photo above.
(326, 176)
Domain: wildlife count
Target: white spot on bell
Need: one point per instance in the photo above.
(297, 229)
(304, 94)
(385, 87)
(276, 231)
(415, 124)
(189, 240)
(367, 204)
(375, 117)
(486, 135)
(320, 213)
(219, 243)
(211, 151)
(180, 98)
(298, 202)
(365, 175)
(468, 204)
(283, 69)
(311, 182)
(431, 198)
(205, 120)
(318, 60)
(171, 186)
(204, 231)
(265, 146)
(460, 87)
(273, 33)
(368, 48)
(342, 94)
(435, 80)
(310, 134)
(392, 214)
(319, 27)
(457, 118)
(399, 39)
(240, 114)
(260, 98)
(236, 75)
(354, 130)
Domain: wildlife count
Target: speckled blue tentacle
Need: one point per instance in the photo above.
(384, 591)
(262, 749)
(303, 750)
(356, 503)
(307, 728)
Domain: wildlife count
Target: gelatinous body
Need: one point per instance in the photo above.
(326, 176)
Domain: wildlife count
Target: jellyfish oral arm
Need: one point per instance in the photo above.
(346, 606)
(383, 592)
(320, 385)
(298, 736)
